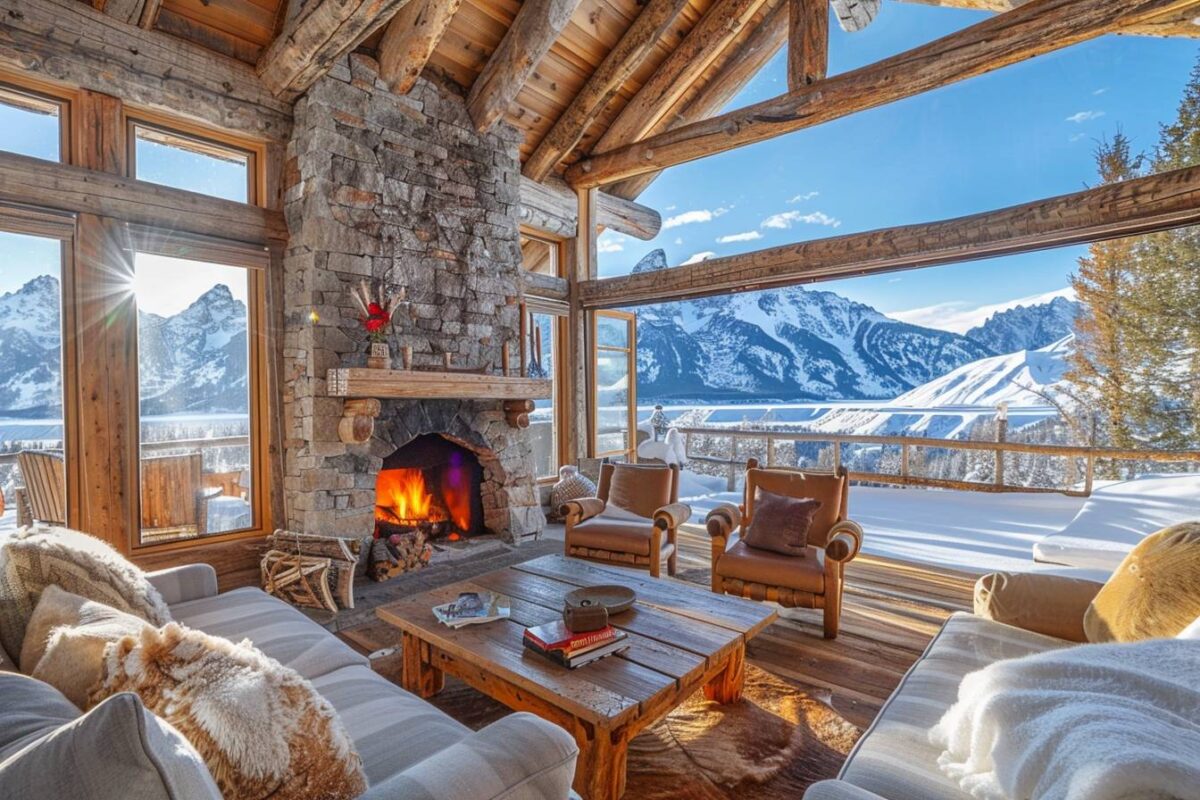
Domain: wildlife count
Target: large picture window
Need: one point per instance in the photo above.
(193, 162)
(200, 389)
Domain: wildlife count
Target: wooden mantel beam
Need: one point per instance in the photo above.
(313, 40)
(534, 29)
(1144, 205)
(410, 40)
(616, 68)
(808, 42)
(1040, 26)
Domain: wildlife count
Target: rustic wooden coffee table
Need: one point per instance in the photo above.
(681, 637)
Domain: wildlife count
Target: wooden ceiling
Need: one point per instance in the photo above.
(742, 36)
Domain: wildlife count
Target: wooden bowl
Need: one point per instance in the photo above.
(615, 599)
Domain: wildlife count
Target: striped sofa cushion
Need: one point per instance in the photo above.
(391, 728)
(271, 625)
(894, 758)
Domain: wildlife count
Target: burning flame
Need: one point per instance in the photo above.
(401, 496)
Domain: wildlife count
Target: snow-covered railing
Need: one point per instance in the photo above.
(157, 447)
(906, 476)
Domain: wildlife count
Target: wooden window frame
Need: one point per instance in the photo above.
(204, 140)
(630, 452)
(256, 261)
(42, 92)
(558, 333)
(61, 226)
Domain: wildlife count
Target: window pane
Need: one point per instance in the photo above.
(541, 421)
(30, 126)
(539, 256)
(194, 389)
(192, 164)
(612, 412)
(31, 386)
(612, 332)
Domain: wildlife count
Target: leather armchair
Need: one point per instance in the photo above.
(813, 580)
(633, 520)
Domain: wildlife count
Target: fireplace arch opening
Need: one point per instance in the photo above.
(432, 485)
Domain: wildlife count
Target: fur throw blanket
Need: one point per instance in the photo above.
(1093, 722)
(262, 730)
(33, 558)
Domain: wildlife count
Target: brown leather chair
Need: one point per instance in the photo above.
(813, 580)
(633, 519)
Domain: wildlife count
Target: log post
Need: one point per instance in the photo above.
(808, 42)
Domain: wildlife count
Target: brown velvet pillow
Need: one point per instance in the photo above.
(780, 523)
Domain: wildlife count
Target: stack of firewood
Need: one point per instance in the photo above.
(399, 553)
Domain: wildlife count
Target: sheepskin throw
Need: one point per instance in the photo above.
(33, 558)
(1153, 593)
(262, 730)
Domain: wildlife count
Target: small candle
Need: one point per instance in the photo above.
(447, 358)
(504, 360)
(406, 354)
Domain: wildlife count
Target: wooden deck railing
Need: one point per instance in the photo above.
(1089, 455)
(158, 447)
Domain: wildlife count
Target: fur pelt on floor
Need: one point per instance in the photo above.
(262, 729)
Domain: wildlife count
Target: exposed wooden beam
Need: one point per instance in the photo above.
(127, 11)
(31, 181)
(149, 17)
(316, 37)
(410, 40)
(1041, 26)
(854, 15)
(616, 68)
(71, 42)
(535, 27)
(744, 63)
(552, 208)
(1143, 205)
(808, 42)
(1179, 23)
(686, 63)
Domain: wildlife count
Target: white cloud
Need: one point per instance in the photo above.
(800, 198)
(748, 236)
(692, 217)
(609, 246)
(1100, 91)
(696, 258)
(678, 240)
(789, 218)
(1085, 116)
(960, 316)
(1075, 137)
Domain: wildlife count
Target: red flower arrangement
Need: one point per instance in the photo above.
(377, 311)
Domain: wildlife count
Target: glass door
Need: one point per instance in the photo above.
(614, 385)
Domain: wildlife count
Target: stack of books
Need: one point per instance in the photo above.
(473, 608)
(556, 642)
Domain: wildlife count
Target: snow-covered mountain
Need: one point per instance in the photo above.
(195, 360)
(1027, 327)
(785, 344)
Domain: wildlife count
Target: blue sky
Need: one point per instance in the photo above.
(1022, 133)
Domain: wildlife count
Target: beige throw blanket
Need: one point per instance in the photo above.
(1094, 722)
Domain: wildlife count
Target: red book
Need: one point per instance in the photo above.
(557, 636)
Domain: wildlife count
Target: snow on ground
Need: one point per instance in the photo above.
(969, 531)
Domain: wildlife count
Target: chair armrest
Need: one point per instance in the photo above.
(1053, 605)
(845, 540)
(722, 520)
(180, 584)
(576, 511)
(520, 757)
(672, 516)
(838, 790)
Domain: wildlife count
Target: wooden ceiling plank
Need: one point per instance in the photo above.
(533, 30)
(808, 42)
(1134, 207)
(150, 12)
(1039, 27)
(745, 61)
(129, 11)
(322, 32)
(1176, 24)
(681, 68)
(616, 68)
(410, 40)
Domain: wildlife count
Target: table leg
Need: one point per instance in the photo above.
(600, 770)
(420, 676)
(726, 687)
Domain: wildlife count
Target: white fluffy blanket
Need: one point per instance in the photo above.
(1094, 722)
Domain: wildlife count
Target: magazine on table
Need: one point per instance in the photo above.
(473, 608)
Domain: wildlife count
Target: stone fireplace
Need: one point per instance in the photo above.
(401, 190)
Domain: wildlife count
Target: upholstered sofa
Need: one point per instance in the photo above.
(1014, 616)
(409, 748)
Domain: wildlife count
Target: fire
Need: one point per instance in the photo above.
(401, 496)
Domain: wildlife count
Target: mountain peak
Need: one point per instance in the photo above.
(651, 262)
(1027, 327)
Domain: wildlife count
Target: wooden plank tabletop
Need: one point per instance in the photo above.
(665, 653)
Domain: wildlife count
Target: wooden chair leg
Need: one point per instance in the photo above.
(656, 552)
(673, 559)
(833, 608)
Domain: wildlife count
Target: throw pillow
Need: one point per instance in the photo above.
(116, 751)
(1153, 593)
(780, 523)
(260, 727)
(33, 558)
